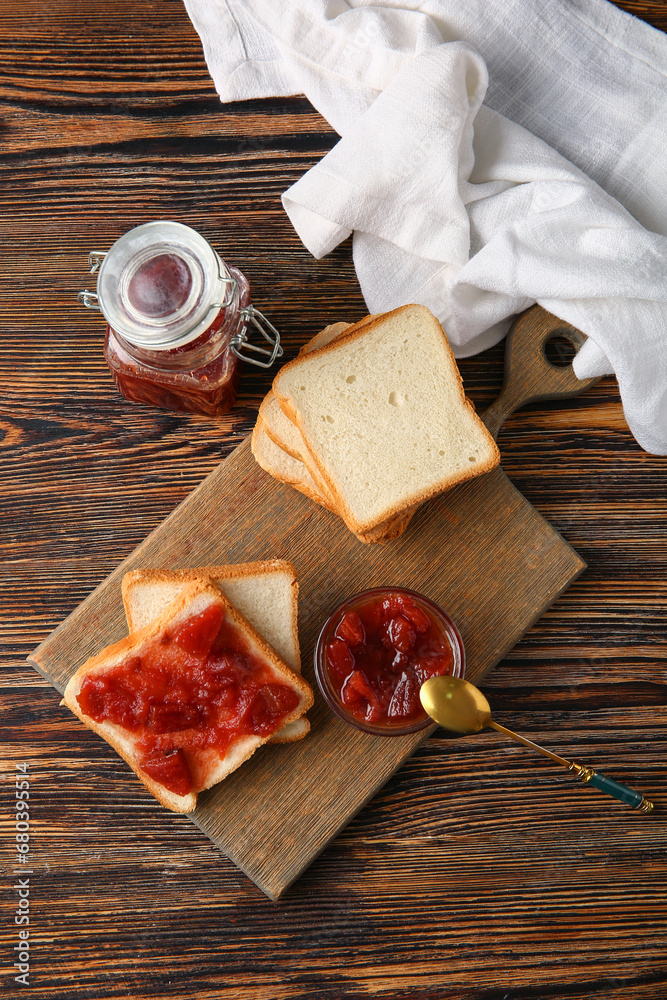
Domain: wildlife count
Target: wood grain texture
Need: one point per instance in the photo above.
(495, 577)
(477, 873)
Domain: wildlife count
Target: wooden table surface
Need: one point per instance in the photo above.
(479, 872)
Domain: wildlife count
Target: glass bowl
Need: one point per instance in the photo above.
(377, 698)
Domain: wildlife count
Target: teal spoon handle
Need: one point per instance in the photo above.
(611, 787)
(587, 774)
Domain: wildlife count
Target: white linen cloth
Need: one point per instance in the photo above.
(454, 203)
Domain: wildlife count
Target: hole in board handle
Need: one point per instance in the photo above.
(560, 351)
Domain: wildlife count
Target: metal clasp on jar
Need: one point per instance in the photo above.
(240, 343)
(87, 298)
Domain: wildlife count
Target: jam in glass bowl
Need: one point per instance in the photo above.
(376, 650)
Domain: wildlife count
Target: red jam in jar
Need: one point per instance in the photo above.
(191, 694)
(177, 319)
(376, 650)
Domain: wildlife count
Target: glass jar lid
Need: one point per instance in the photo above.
(161, 285)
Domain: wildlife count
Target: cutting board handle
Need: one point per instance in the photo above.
(529, 375)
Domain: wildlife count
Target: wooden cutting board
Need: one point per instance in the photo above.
(481, 551)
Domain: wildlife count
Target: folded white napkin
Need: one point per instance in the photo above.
(454, 205)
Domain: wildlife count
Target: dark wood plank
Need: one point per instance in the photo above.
(86, 477)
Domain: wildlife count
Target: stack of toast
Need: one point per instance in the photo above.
(257, 604)
(371, 420)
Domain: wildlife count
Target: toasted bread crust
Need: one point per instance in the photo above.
(387, 530)
(125, 743)
(292, 732)
(293, 471)
(324, 336)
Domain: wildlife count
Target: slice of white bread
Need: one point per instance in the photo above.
(283, 466)
(290, 470)
(279, 448)
(266, 593)
(284, 434)
(332, 332)
(384, 416)
(325, 336)
(277, 424)
(282, 431)
(206, 765)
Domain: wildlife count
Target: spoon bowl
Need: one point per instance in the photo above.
(455, 704)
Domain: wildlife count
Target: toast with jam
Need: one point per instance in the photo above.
(266, 593)
(189, 697)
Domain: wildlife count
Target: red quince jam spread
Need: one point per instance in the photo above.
(194, 690)
(209, 389)
(379, 652)
(200, 376)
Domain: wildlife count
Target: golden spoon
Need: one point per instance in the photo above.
(459, 706)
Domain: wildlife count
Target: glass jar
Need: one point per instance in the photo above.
(374, 652)
(178, 319)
